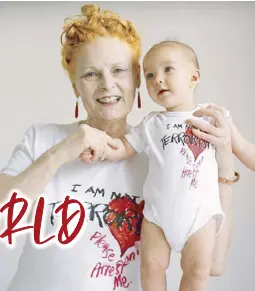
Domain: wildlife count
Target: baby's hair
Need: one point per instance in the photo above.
(92, 24)
(187, 49)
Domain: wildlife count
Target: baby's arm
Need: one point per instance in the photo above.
(115, 149)
(120, 151)
(243, 150)
(124, 150)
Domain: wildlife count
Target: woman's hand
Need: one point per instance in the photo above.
(218, 134)
(87, 139)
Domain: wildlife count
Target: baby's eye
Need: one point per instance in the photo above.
(168, 69)
(149, 76)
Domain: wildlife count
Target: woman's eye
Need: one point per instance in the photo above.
(119, 70)
(91, 76)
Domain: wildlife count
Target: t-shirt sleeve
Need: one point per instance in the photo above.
(22, 155)
(137, 136)
(228, 114)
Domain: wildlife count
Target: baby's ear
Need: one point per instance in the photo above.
(195, 78)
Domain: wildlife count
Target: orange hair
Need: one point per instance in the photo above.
(94, 23)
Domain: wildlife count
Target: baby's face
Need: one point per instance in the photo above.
(170, 77)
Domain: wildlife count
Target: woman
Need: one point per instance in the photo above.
(101, 54)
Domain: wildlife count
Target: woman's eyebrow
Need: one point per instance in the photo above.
(88, 67)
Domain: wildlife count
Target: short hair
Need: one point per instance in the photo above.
(94, 23)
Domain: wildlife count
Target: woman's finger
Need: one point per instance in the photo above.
(221, 109)
(102, 156)
(210, 112)
(97, 153)
(206, 127)
(207, 137)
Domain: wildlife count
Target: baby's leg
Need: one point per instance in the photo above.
(155, 256)
(197, 258)
(224, 237)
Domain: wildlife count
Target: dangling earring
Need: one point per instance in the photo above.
(139, 100)
(76, 114)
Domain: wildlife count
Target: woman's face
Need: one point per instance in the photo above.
(106, 78)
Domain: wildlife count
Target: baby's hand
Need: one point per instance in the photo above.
(86, 156)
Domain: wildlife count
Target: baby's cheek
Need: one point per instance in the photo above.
(151, 90)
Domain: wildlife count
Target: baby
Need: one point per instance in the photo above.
(182, 205)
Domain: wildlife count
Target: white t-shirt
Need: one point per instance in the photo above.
(104, 256)
(181, 190)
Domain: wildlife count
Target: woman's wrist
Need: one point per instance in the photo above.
(227, 173)
(59, 154)
(226, 166)
(230, 181)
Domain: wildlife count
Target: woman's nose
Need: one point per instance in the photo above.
(107, 82)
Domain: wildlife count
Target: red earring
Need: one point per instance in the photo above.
(76, 109)
(139, 100)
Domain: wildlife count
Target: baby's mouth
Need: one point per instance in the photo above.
(162, 91)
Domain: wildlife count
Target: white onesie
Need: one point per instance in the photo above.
(181, 190)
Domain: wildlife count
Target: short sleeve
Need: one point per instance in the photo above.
(228, 114)
(136, 137)
(22, 155)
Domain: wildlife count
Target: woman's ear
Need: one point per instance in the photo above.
(138, 76)
(77, 94)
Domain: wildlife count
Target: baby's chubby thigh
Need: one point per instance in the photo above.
(196, 257)
(155, 256)
(184, 214)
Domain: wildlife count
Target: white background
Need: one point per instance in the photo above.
(34, 88)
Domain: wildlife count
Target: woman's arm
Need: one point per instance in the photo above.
(220, 136)
(33, 180)
(243, 150)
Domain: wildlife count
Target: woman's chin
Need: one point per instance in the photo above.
(112, 115)
(113, 112)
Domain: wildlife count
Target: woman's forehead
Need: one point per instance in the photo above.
(104, 51)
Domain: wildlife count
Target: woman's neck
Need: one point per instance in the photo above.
(114, 128)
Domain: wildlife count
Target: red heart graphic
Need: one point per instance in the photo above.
(195, 144)
(124, 218)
